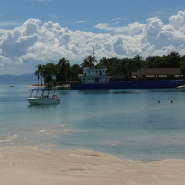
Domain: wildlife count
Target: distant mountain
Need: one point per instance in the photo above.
(24, 77)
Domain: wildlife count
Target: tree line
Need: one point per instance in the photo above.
(63, 72)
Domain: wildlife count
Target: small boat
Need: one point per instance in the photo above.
(43, 98)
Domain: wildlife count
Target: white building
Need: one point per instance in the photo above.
(94, 74)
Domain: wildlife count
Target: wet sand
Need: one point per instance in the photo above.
(34, 166)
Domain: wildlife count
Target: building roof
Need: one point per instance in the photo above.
(160, 71)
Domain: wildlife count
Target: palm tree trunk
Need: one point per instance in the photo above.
(65, 77)
(38, 79)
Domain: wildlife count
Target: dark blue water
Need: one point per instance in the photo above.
(127, 123)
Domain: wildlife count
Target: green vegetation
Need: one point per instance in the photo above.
(49, 72)
(38, 72)
(63, 72)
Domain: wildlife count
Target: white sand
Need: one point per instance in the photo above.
(33, 166)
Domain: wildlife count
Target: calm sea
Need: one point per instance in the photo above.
(127, 123)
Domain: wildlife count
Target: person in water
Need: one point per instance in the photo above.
(171, 101)
(158, 101)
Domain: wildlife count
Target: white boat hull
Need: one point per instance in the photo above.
(43, 101)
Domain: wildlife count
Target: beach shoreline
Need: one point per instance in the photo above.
(32, 165)
(61, 87)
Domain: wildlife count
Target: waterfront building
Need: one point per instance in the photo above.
(157, 73)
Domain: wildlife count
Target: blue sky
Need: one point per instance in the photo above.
(69, 13)
(41, 31)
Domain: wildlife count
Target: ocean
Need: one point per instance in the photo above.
(129, 124)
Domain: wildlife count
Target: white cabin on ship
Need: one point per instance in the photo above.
(94, 74)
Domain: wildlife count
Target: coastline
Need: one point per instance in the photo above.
(32, 165)
(62, 87)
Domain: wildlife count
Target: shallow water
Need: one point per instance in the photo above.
(127, 123)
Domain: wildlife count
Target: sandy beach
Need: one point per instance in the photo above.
(31, 165)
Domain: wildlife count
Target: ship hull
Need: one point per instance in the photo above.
(131, 85)
(43, 101)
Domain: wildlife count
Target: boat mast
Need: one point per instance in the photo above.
(93, 53)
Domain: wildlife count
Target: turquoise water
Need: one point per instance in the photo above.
(127, 123)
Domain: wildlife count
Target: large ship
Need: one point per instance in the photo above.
(95, 77)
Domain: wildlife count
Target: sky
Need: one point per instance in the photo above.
(36, 32)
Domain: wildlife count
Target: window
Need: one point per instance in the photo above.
(96, 71)
(89, 71)
(89, 78)
(92, 78)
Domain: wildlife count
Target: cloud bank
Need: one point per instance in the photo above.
(35, 43)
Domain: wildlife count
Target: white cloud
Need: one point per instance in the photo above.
(2, 31)
(1, 64)
(116, 19)
(80, 21)
(131, 29)
(10, 23)
(160, 35)
(32, 43)
(177, 21)
(119, 19)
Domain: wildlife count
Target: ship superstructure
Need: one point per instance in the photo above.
(94, 75)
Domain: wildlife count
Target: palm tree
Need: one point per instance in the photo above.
(88, 62)
(40, 68)
(138, 61)
(64, 66)
(91, 60)
(138, 57)
(48, 72)
(104, 61)
(85, 63)
(37, 74)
